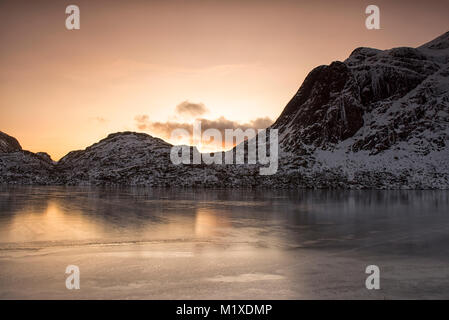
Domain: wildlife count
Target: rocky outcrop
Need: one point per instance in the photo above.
(24, 167)
(19, 166)
(121, 158)
(326, 109)
(8, 143)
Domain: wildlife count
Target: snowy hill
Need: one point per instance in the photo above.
(130, 158)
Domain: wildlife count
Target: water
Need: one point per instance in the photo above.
(139, 243)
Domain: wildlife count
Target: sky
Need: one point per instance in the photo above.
(149, 66)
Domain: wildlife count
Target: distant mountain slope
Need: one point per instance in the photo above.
(380, 119)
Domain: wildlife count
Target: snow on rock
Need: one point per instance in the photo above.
(379, 119)
(393, 127)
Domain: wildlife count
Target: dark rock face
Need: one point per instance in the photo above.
(24, 167)
(318, 113)
(44, 156)
(18, 166)
(437, 45)
(398, 92)
(8, 143)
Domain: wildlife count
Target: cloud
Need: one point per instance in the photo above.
(165, 129)
(187, 108)
(99, 119)
(143, 122)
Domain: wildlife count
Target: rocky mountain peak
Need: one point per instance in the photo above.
(325, 109)
(359, 98)
(8, 143)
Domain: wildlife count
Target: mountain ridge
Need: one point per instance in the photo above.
(379, 119)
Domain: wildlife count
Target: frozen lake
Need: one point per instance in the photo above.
(139, 243)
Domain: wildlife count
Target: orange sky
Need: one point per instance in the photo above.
(63, 90)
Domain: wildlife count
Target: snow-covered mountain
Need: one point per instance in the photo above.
(379, 119)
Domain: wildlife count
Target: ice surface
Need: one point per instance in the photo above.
(213, 244)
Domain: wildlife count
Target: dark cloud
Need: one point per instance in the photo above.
(165, 129)
(222, 124)
(187, 108)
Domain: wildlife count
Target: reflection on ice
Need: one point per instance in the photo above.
(247, 277)
(219, 244)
